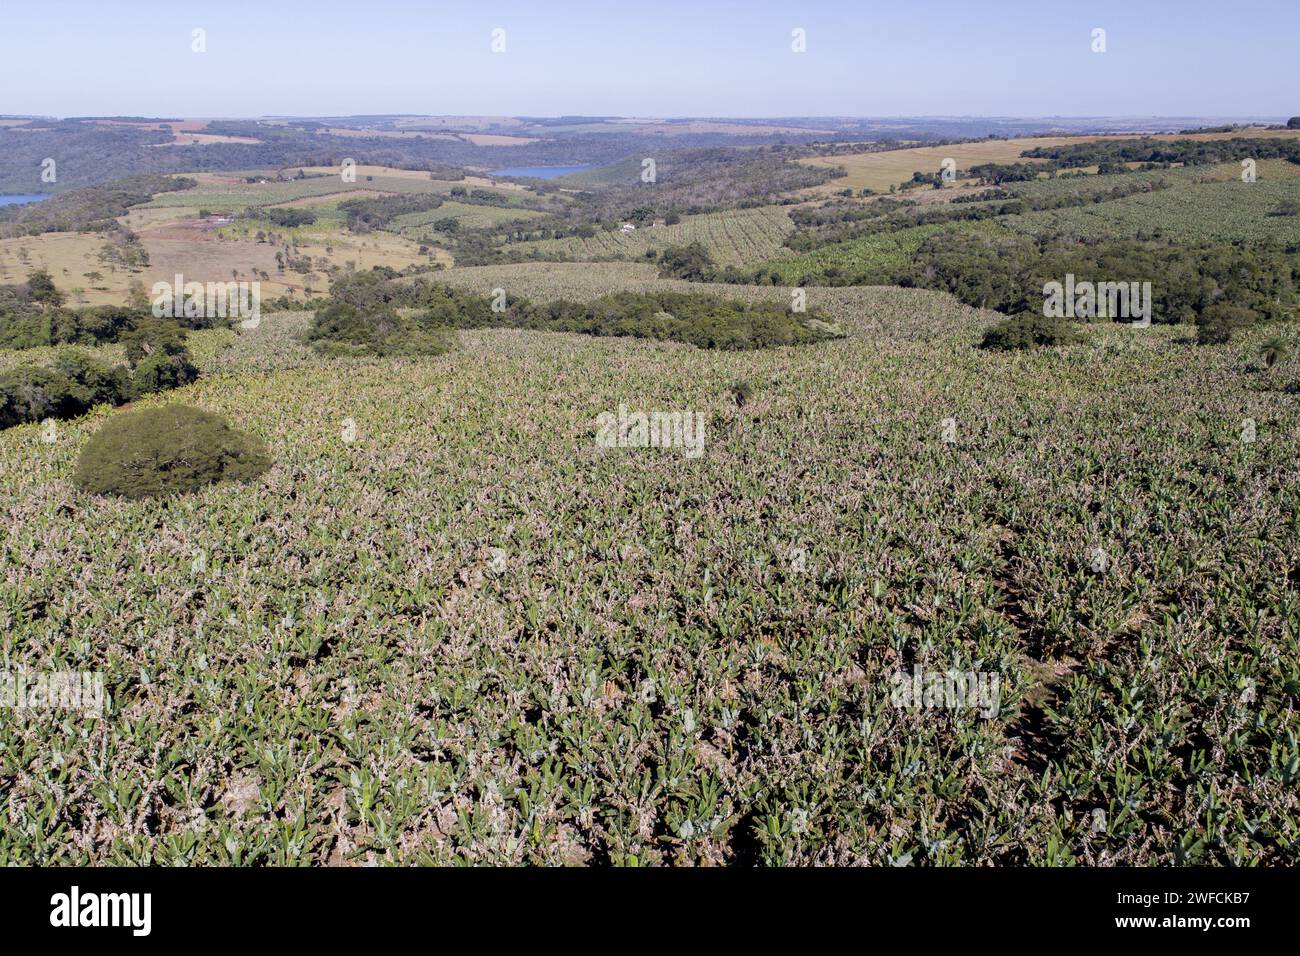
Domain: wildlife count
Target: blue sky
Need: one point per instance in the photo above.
(651, 58)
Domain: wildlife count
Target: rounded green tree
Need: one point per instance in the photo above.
(1027, 331)
(156, 452)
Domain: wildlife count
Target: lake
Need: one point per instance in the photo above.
(538, 172)
(19, 200)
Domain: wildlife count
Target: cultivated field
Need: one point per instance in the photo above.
(478, 139)
(449, 626)
(1224, 212)
(733, 237)
(675, 660)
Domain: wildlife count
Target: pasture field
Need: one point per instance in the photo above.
(206, 256)
(328, 204)
(330, 219)
(893, 167)
(181, 244)
(67, 256)
(676, 660)
(235, 197)
(733, 237)
(71, 258)
(389, 172)
(228, 193)
(880, 170)
(364, 170)
(178, 241)
(143, 218)
(187, 138)
(468, 215)
(370, 250)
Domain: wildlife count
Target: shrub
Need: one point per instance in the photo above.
(290, 217)
(156, 452)
(40, 287)
(1004, 271)
(1216, 324)
(29, 394)
(89, 383)
(1029, 330)
(25, 324)
(1272, 349)
(162, 371)
(376, 212)
(26, 328)
(105, 323)
(150, 336)
(75, 383)
(686, 262)
(741, 391)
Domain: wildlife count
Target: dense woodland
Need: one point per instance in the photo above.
(33, 315)
(90, 153)
(371, 314)
(88, 209)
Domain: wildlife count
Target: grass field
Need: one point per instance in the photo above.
(67, 256)
(235, 197)
(179, 244)
(178, 241)
(227, 193)
(894, 167)
(469, 216)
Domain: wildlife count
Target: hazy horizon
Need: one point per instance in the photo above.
(669, 59)
(1241, 117)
